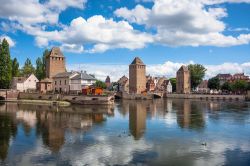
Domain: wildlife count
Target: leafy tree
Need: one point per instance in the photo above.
(248, 86)
(39, 69)
(226, 86)
(15, 68)
(100, 84)
(28, 68)
(173, 82)
(5, 65)
(45, 55)
(240, 86)
(197, 73)
(214, 83)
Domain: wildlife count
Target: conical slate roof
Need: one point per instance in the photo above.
(137, 61)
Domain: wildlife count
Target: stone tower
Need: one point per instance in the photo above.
(137, 76)
(183, 83)
(55, 62)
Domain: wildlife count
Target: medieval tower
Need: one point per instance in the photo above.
(137, 76)
(55, 62)
(183, 82)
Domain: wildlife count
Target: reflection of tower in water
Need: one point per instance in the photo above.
(137, 119)
(189, 115)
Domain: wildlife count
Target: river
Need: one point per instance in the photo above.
(158, 132)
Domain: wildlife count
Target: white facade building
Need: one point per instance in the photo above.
(80, 81)
(24, 84)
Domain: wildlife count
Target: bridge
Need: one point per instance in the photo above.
(8, 94)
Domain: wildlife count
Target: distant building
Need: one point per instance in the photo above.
(123, 84)
(24, 84)
(224, 78)
(45, 85)
(183, 82)
(240, 76)
(203, 87)
(80, 81)
(137, 76)
(62, 81)
(108, 82)
(55, 63)
(167, 86)
(150, 85)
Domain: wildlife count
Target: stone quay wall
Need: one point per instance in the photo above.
(207, 97)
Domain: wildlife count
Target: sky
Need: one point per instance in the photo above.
(103, 36)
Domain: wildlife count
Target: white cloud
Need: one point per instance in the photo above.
(185, 23)
(102, 33)
(72, 48)
(168, 69)
(9, 40)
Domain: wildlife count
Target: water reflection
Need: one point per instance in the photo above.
(153, 132)
(137, 119)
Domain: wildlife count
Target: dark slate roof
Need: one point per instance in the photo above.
(137, 61)
(46, 80)
(83, 76)
(64, 74)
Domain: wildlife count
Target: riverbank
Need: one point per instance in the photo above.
(207, 97)
(40, 102)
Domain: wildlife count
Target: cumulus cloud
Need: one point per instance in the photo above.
(102, 33)
(167, 69)
(9, 40)
(185, 23)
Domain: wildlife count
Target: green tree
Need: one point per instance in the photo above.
(214, 83)
(28, 68)
(173, 82)
(15, 68)
(240, 86)
(100, 84)
(39, 69)
(248, 86)
(45, 55)
(5, 65)
(226, 87)
(197, 73)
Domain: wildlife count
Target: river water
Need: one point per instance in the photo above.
(158, 132)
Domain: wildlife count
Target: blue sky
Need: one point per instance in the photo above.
(100, 32)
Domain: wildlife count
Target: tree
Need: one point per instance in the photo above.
(100, 84)
(39, 69)
(28, 68)
(15, 68)
(5, 65)
(45, 55)
(226, 87)
(173, 82)
(214, 83)
(197, 73)
(248, 86)
(239, 86)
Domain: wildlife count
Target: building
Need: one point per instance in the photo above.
(24, 84)
(137, 76)
(150, 85)
(224, 78)
(167, 86)
(108, 82)
(45, 85)
(80, 81)
(123, 84)
(183, 82)
(203, 87)
(62, 81)
(55, 63)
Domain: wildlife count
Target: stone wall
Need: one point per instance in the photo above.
(37, 96)
(207, 97)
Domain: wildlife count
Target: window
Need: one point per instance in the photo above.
(55, 82)
(65, 82)
(60, 82)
